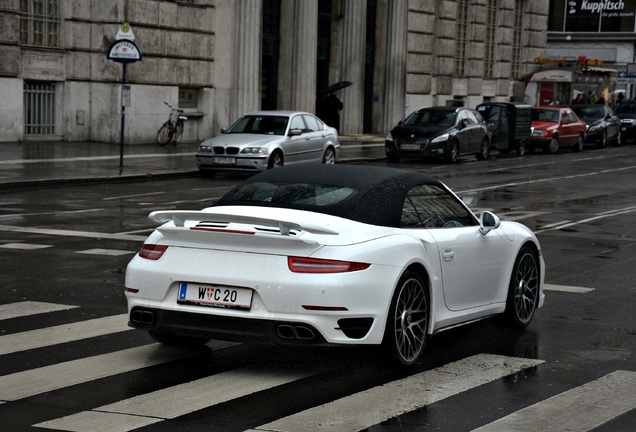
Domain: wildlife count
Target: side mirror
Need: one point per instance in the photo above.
(223, 130)
(487, 222)
(295, 132)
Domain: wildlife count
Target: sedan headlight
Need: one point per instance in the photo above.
(204, 148)
(389, 137)
(540, 133)
(594, 127)
(441, 138)
(254, 150)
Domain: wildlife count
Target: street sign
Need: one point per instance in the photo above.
(124, 51)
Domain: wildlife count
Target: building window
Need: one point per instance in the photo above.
(517, 34)
(461, 37)
(40, 23)
(39, 108)
(188, 97)
(491, 28)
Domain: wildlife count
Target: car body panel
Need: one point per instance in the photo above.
(601, 122)
(428, 132)
(301, 138)
(248, 247)
(554, 121)
(626, 111)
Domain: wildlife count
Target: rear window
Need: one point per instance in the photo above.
(302, 194)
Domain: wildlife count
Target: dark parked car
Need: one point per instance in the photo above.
(602, 125)
(440, 132)
(626, 111)
(555, 127)
(510, 125)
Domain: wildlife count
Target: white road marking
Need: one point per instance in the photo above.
(351, 413)
(57, 213)
(71, 233)
(172, 402)
(63, 333)
(24, 246)
(93, 158)
(106, 252)
(28, 308)
(603, 215)
(580, 409)
(545, 180)
(565, 288)
(132, 196)
(32, 382)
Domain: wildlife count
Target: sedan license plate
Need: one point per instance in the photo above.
(410, 146)
(214, 295)
(224, 160)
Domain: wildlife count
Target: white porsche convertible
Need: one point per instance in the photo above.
(332, 254)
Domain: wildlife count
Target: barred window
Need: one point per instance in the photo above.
(517, 41)
(39, 108)
(40, 23)
(461, 37)
(490, 42)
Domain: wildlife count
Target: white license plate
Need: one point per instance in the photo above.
(214, 295)
(410, 146)
(224, 160)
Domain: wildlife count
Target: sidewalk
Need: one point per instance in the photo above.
(39, 163)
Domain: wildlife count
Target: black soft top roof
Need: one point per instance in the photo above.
(378, 200)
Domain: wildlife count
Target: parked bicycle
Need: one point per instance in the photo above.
(172, 129)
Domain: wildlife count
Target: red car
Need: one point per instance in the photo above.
(556, 127)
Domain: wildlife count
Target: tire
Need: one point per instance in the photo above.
(172, 339)
(521, 148)
(406, 329)
(484, 151)
(275, 160)
(578, 147)
(553, 146)
(393, 159)
(329, 158)
(523, 291)
(164, 134)
(603, 142)
(178, 134)
(452, 152)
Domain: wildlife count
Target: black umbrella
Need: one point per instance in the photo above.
(338, 86)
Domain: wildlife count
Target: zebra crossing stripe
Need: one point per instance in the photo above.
(27, 308)
(580, 409)
(173, 402)
(32, 382)
(63, 333)
(408, 394)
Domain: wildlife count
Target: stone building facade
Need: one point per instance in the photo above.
(218, 59)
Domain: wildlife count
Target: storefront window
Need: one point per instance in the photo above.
(592, 16)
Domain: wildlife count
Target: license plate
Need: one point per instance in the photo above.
(224, 160)
(214, 295)
(410, 146)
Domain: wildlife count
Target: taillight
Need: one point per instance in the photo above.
(152, 252)
(313, 265)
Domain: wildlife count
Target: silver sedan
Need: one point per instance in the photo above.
(267, 139)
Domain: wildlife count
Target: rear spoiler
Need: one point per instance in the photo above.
(179, 217)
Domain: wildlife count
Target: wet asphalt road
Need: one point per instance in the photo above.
(581, 205)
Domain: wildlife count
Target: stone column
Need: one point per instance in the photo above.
(353, 50)
(246, 94)
(395, 63)
(303, 55)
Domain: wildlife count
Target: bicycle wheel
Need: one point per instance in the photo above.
(178, 134)
(164, 134)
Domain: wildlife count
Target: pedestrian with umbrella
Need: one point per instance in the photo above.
(332, 105)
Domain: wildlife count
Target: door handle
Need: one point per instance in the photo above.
(448, 255)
